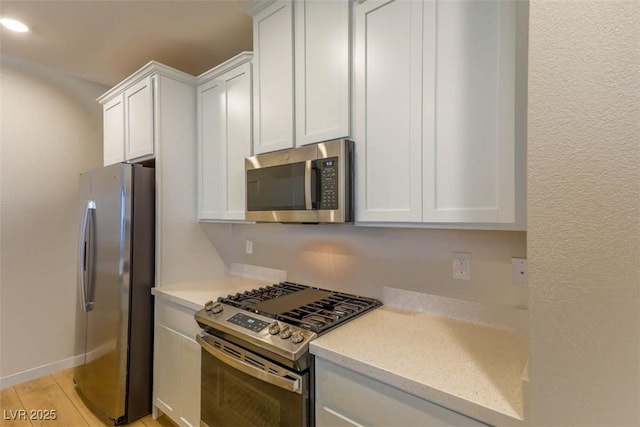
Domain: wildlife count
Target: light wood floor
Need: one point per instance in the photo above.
(55, 392)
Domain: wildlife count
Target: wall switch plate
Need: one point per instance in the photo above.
(462, 265)
(520, 271)
(248, 246)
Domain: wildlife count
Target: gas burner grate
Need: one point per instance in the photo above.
(321, 315)
(317, 316)
(246, 299)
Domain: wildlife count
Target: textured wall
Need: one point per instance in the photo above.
(364, 259)
(584, 213)
(51, 132)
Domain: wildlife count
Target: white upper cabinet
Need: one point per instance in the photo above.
(212, 137)
(439, 112)
(273, 78)
(302, 45)
(224, 138)
(387, 114)
(322, 58)
(113, 131)
(129, 124)
(131, 113)
(138, 111)
(469, 157)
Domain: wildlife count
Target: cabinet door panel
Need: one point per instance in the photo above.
(224, 140)
(167, 374)
(388, 106)
(273, 77)
(139, 120)
(322, 70)
(469, 154)
(113, 140)
(190, 361)
(212, 137)
(238, 98)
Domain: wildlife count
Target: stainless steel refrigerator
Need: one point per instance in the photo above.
(116, 265)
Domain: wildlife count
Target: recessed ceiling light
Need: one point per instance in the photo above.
(14, 25)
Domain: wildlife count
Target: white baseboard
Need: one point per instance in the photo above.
(40, 371)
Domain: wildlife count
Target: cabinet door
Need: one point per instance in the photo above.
(322, 64)
(224, 135)
(469, 154)
(273, 77)
(190, 363)
(167, 370)
(238, 142)
(212, 135)
(113, 128)
(388, 110)
(139, 123)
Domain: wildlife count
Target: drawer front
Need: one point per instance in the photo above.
(176, 317)
(328, 417)
(357, 399)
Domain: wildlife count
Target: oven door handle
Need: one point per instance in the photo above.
(293, 385)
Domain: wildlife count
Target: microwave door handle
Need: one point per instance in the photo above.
(293, 385)
(308, 201)
(83, 247)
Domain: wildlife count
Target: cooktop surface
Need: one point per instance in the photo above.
(306, 307)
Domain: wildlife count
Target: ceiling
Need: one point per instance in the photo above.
(107, 40)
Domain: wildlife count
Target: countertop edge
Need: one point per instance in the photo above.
(422, 390)
(169, 296)
(195, 294)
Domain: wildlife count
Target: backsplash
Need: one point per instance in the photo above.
(363, 260)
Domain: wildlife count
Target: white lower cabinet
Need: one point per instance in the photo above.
(176, 371)
(346, 398)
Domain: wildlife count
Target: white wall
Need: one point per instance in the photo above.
(584, 213)
(51, 130)
(364, 259)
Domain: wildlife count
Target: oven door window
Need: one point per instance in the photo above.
(276, 188)
(232, 398)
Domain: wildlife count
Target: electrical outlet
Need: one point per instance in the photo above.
(462, 265)
(248, 246)
(520, 271)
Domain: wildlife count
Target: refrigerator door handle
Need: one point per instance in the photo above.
(85, 246)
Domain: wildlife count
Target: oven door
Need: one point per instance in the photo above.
(239, 388)
(281, 186)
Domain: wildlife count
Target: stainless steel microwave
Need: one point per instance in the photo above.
(310, 184)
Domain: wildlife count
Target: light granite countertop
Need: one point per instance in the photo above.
(470, 368)
(240, 278)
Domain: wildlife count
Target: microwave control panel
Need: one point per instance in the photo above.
(328, 183)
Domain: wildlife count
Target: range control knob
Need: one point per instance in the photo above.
(285, 332)
(274, 328)
(217, 308)
(208, 306)
(297, 337)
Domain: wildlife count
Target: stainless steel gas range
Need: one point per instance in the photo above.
(256, 365)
